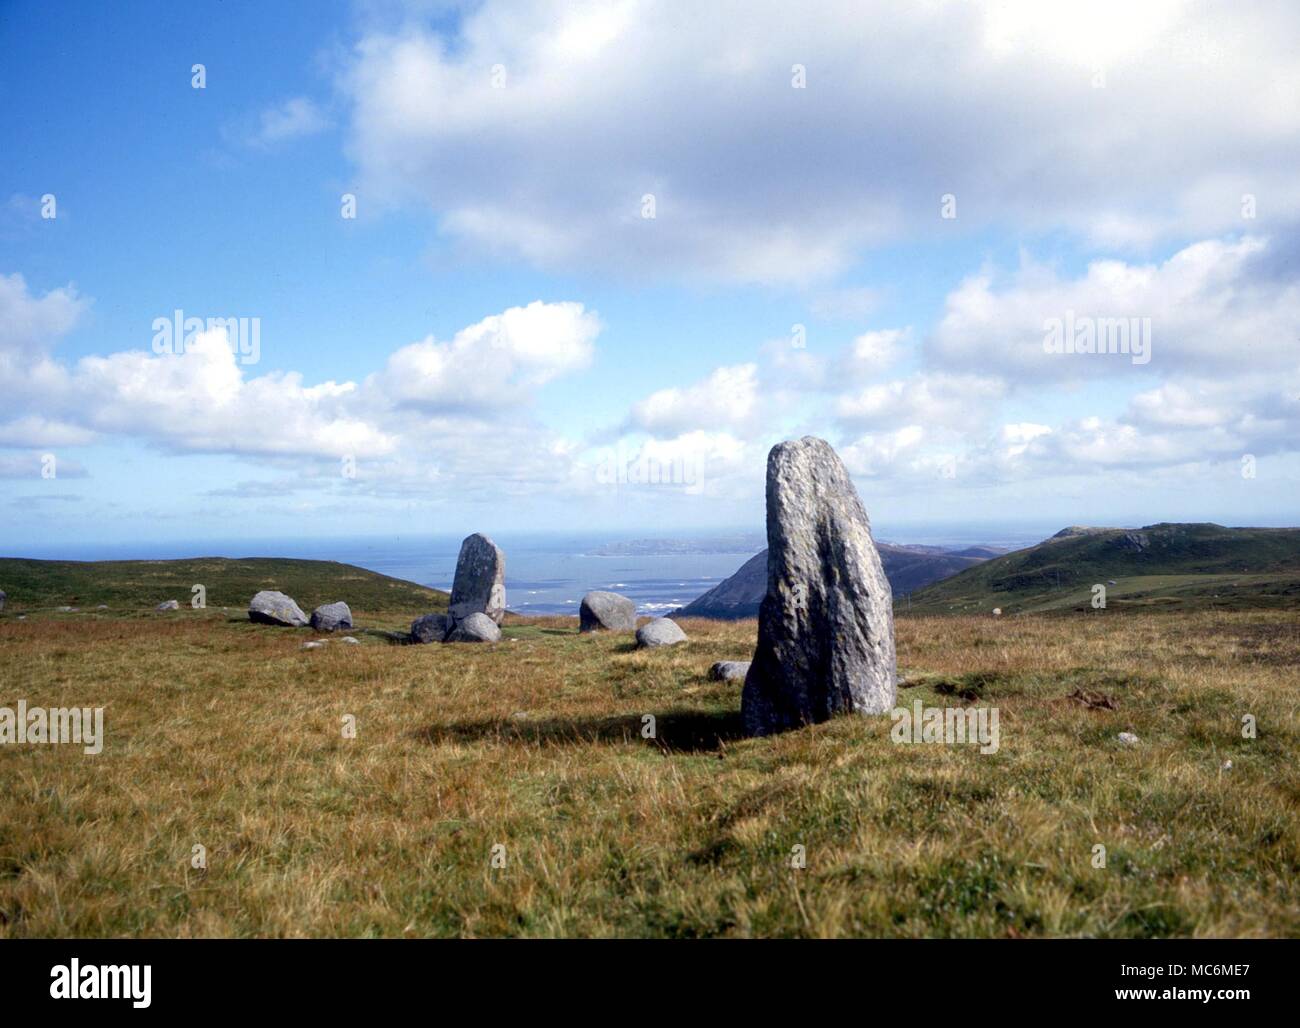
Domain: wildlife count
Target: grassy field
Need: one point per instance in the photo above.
(229, 735)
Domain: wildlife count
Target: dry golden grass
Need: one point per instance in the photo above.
(228, 735)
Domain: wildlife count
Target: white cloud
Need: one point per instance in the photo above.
(728, 399)
(757, 181)
(295, 118)
(1213, 304)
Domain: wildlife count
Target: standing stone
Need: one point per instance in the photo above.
(331, 616)
(659, 632)
(475, 628)
(826, 625)
(608, 612)
(432, 628)
(273, 608)
(480, 583)
(2, 599)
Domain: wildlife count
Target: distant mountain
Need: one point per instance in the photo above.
(1163, 566)
(906, 567)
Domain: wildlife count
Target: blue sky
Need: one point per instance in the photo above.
(501, 340)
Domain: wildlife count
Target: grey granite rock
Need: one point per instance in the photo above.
(659, 632)
(274, 608)
(826, 624)
(432, 628)
(331, 616)
(169, 605)
(475, 628)
(729, 670)
(606, 611)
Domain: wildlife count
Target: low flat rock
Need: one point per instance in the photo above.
(169, 605)
(480, 583)
(475, 628)
(729, 670)
(331, 616)
(659, 632)
(432, 628)
(272, 608)
(603, 611)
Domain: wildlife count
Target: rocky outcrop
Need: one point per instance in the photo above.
(480, 583)
(275, 608)
(659, 632)
(331, 616)
(603, 611)
(826, 625)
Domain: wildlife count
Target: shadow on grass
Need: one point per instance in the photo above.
(675, 731)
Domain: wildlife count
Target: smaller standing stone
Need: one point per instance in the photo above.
(331, 616)
(659, 632)
(2, 599)
(729, 670)
(603, 611)
(274, 608)
(475, 628)
(432, 628)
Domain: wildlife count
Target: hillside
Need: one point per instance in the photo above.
(906, 567)
(1163, 566)
(140, 585)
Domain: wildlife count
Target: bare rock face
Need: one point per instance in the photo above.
(607, 612)
(480, 583)
(826, 625)
(273, 608)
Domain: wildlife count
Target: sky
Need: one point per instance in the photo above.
(534, 266)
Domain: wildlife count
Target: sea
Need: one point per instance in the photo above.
(545, 574)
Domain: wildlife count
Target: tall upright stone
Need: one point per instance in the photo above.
(480, 583)
(826, 624)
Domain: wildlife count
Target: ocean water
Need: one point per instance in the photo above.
(544, 574)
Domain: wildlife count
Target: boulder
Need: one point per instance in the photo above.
(2, 599)
(608, 612)
(273, 608)
(480, 583)
(432, 628)
(728, 670)
(826, 624)
(659, 632)
(331, 616)
(169, 605)
(475, 628)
